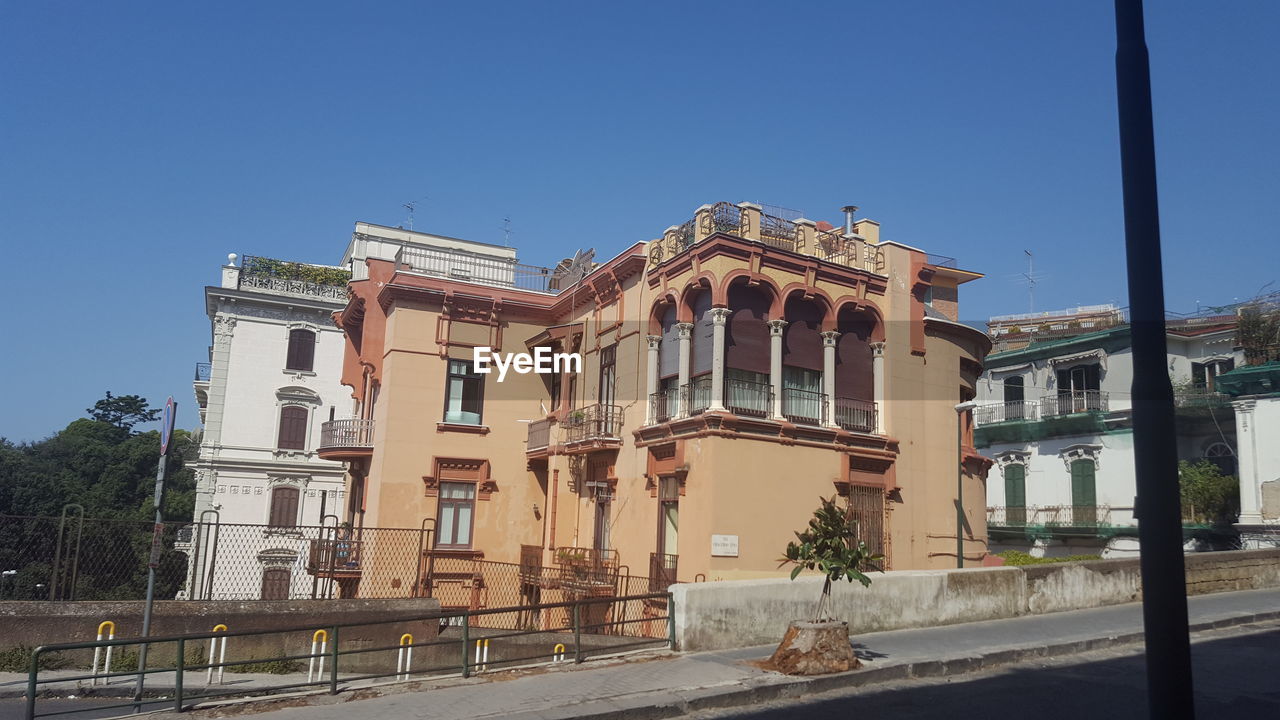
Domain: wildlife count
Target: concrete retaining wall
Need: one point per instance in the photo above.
(741, 613)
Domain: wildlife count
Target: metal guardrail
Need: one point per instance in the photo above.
(662, 571)
(664, 405)
(697, 395)
(1073, 401)
(539, 435)
(635, 621)
(348, 433)
(855, 415)
(745, 397)
(594, 422)
(480, 269)
(1010, 411)
(804, 407)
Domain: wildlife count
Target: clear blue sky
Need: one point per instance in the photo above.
(142, 142)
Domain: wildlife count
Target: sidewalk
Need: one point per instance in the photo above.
(654, 685)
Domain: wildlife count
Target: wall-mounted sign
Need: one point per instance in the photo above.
(724, 546)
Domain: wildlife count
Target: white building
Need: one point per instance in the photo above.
(270, 397)
(1255, 392)
(1054, 415)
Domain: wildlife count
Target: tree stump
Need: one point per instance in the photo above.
(815, 648)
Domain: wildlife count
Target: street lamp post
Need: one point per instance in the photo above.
(961, 409)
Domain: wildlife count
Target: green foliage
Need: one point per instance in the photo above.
(123, 411)
(1258, 331)
(1208, 496)
(831, 546)
(268, 667)
(1017, 557)
(18, 660)
(319, 275)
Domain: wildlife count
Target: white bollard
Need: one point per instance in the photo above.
(404, 657)
(319, 638)
(106, 631)
(557, 653)
(221, 650)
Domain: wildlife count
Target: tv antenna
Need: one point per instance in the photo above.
(1030, 278)
(506, 230)
(411, 206)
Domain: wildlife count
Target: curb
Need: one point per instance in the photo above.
(661, 705)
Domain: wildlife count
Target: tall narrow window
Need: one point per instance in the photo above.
(1078, 389)
(453, 519)
(284, 508)
(465, 398)
(1015, 494)
(293, 428)
(275, 584)
(302, 350)
(668, 516)
(1084, 498)
(608, 390)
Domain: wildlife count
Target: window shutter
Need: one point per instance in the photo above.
(293, 428)
(284, 507)
(1082, 484)
(1015, 486)
(302, 350)
(275, 584)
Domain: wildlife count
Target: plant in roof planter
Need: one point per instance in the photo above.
(830, 545)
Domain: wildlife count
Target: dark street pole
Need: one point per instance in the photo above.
(1164, 598)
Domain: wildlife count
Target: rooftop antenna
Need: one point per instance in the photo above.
(1030, 278)
(411, 206)
(506, 230)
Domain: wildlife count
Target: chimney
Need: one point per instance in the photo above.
(848, 211)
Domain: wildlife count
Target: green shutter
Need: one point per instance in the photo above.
(1084, 498)
(1015, 486)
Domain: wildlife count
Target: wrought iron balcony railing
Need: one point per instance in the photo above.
(1009, 411)
(662, 571)
(333, 556)
(203, 371)
(855, 415)
(744, 397)
(1073, 515)
(594, 422)
(539, 435)
(804, 407)
(697, 395)
(1067, 402)
(273, 276)
(664, 404)
(351, 433)
(1007, 516)
(1198, 396)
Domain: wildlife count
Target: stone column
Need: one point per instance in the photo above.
(775, 366)
(684, 333)
(829, 377)
(877, 384)
(651, 381)
(1247, 462)
(718, 318)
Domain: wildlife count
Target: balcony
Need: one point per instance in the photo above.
(350, 439)
(746, 398)
(697, 395)
(1008, 411)
(804, 407)
(664, 405)
(279, 277)
(334, 558)
(592, 427)
(856, 415)
(588, 571)
(1074, 516)
(479, 269)
(203, 371)
(662, 571)
(1069, 402)
(1003, 517)
(1191, 397)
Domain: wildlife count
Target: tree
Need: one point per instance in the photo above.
(831, 545)
(123, 411)
(1208, 496)
(1258, 330)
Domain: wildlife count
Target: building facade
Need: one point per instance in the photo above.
(1255, 393)
(1054, 415)
(732, 372)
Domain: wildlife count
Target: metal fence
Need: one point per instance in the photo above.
(340, 657)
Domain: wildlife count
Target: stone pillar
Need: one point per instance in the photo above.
(718, 318)
(775, 365)
(651, 381)
(749, 221)
(1247, 462)
(877, 384)
(829, 377)
(684, 333)
(702, 226)
(806, 236)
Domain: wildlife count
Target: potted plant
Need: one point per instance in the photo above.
(830, 545)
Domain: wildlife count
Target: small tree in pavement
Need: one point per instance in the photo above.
(831, 546)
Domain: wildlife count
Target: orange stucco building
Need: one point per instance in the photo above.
(733, 371)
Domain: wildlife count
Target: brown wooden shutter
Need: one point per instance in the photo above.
(284, 507)
(275, 584)
(302, 350)
(293, 428)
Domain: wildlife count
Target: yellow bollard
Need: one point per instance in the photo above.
(108, 629)
(222, 655)
(319, 638)
(557, 653)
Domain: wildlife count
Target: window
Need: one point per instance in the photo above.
(275, 584)
(1221, 455)
(1014, 398)
(465, 397)
(1084, 498)
(608, 374)
(284, 508)
(668, 515)
(1078, 389)
(302, 350)
(453, 520)
(1205, 374)
(1015, 494)
(293, 428)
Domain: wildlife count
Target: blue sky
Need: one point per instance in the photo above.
(142, 142)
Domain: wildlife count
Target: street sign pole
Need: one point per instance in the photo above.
(157, 545)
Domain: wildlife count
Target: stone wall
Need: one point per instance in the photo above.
(717, 615)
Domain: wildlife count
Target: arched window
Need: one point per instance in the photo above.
(1223, 456)
(293, 428)
(284, 508)
(302, 350)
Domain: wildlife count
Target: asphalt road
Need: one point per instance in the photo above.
(1237, 675)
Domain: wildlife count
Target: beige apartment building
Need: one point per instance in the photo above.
(732, 372)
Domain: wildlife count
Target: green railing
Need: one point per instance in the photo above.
(587, 626)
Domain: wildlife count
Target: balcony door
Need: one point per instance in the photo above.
(608, 389)
(1015, 494)
(1078, 388)
(1084, 493)
(668, 515)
